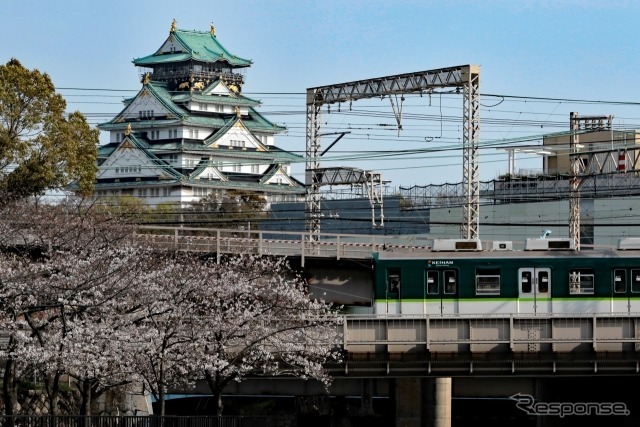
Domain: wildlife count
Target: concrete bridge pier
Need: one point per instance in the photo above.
(423, 402)
(366, 401)
(442, 406)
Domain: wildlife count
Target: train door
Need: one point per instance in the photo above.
(391, 304)
(441, 291)
(534, 290)
(625, 292)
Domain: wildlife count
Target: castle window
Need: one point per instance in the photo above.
(145, 114)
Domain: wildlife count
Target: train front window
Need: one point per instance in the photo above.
(581, 281)
(619, 281)
(393, 280)
(635, 281)
(433, 282)
(488, 281)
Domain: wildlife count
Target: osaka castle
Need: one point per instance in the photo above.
(190, 131)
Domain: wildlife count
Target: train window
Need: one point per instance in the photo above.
(619, 281)
(543, 281)
(393, 280)
(525, 280)
(450, 282)
(433, 282)
(488, 281)
(635, 281)
(581, 281)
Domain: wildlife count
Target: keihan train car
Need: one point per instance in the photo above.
(549, 276)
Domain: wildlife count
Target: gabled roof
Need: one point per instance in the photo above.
(135, 144)
(237, 123)
(205, 168)
(178, 115)
(276, 170)
(183, 45)
(158, 92)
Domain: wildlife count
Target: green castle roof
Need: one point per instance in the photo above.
(254, 121)
(197, 45)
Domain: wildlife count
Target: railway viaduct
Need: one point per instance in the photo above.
(424, 365)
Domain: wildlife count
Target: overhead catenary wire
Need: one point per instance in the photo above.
(375, 123)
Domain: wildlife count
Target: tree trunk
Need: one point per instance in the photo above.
(9, 386)
(161, 400)
(217, 404)
(52, 387)
(216, 386)
(85, 396)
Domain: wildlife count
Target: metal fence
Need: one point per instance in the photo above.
(133, 421)
(276, 243)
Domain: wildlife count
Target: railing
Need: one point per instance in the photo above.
(187, 72)
(277, 243)
(491, 345)
(133, 421)
(491, 333)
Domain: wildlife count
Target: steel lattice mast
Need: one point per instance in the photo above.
(578, 124)
(466, 77)
(470, 137)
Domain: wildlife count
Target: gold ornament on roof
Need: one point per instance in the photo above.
(146, 79)
(173, 25)
(238, 114)
(212, 30)
(127, 131)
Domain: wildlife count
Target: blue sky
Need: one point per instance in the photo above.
(566, 52)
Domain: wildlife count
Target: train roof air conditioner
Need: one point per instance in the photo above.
(629, 243)
(547, 244)
(456, 245)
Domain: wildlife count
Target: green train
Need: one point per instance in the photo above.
(548, 277)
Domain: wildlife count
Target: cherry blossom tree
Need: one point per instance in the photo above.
(160, 325)
(79, 299)
(221, 322)
(255, 317)
(90, 340)
(61, 271)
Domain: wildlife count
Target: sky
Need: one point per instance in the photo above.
(539, 61)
